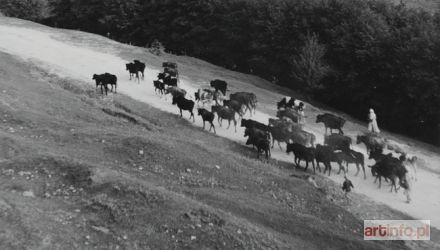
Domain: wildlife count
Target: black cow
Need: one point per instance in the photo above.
(331, 121)
(184, 104)
(219, 85)
(302, 153)
(171, 72)
(132, 70)
(261, 143)
(167, 80)
(140, 67)
(100, 82)
(104, 80)
(171, 65)
(249, 123)
(207, 116)
(338, 141)
(390, 168)
(158, 85)
(324, 154)
(286, 104)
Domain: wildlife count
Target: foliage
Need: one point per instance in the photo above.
(27, 9)
(308, 66)
(385, 56)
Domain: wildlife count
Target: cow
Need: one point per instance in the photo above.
(132, 70)
(249, 100)
(390, 168)
(171, 72)
(249, 123)
(302, 153)
(302, 137)
(140, 67)
(224, 113)
(289, 113)
(184, 104)
(235, 105)
(206, 96)
(167, 80)
(99, 82)
(104, 80)
(331, 121)
(372, 142)
(158, 85)
(261, 143)
(207, 116)
(279, 134)
(171, 65)
(291, 103)
(175, 91)
(338, 141)
(324, 154)
(219, 85)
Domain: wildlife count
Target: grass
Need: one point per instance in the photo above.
(113, 172)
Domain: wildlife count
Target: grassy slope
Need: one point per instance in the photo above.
(92, 186)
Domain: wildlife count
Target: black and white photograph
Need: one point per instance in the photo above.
(219, 124)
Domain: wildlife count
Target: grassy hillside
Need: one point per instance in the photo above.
(82, 171)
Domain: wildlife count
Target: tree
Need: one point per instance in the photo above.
(308, 66)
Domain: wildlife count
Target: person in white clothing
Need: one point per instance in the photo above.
(372, 122)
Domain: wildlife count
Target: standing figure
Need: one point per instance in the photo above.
(372, 122)
(347, 186)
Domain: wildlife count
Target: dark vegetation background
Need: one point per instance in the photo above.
(351, 55)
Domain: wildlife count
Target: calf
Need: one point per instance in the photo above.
(302, 153)
(207, 116)
(224, 113)
(158, 85)
(184, 104)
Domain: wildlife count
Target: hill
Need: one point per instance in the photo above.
(79, 170)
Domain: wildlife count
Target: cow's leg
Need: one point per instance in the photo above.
(218, 119)
(180, 112)
(204, 125)
(273, 142)
(358, 169)
(380, 182)
(279, 145)
(192, 115)
(313, 164)
(307, 166)
(229, 124)
(235, 125)
(340, 131)
(363, 169)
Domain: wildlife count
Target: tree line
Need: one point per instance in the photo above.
(351, 55)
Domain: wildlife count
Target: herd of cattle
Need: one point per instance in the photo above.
(287, 128)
